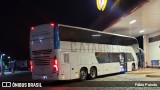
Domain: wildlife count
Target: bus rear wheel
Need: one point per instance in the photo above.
(83, 74)
(93, 73)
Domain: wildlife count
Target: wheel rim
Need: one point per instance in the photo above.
(83, 74)
(93, 73)
(133, 67)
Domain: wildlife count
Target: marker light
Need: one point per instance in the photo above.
(31, 65)
(32, 28)
(52, 24)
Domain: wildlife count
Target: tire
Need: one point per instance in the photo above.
(93, 73)
(83, 74)
(133, 67)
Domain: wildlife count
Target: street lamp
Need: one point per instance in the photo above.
(2, 71)
(9, 57)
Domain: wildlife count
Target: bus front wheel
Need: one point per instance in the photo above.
(83, 74)
(133, 67)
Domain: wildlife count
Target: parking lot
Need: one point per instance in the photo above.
(125, 81)
(148, 74)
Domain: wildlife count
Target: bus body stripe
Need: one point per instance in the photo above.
(56, 37)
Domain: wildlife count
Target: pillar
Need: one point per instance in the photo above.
(146, 50)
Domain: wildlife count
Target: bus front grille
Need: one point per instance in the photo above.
(40, 62)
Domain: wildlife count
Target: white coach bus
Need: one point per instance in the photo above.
(62, 52)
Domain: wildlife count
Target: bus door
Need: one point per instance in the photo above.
(73, 62)
(123, 62)
(65, 66)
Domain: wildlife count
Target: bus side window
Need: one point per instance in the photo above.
(129, 57)
(66, 58)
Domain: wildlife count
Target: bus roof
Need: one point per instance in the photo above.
(78, 34)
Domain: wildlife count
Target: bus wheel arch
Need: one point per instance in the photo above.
(133, 66)
(83, 73)
(93, 72)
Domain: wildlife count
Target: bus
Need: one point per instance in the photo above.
(63, 52)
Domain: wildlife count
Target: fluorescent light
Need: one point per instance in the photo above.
(96, 35)
(133, 21)
(141, 31)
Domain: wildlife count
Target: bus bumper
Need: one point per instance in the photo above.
(45, 77)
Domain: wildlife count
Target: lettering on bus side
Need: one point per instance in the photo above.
(88, 46)
(82, 47)
(100, 47)
(73, 47)
(107, 48)
(92, 47)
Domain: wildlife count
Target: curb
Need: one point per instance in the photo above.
(155, 75)
(139, 72)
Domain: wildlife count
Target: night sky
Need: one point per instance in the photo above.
(17, 16)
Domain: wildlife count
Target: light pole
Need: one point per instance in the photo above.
(2, 65)
(11, 64)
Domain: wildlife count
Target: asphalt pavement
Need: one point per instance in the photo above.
(16, 76)
(114, 81)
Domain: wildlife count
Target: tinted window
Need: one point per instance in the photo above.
(114, 57)
(79, 35)
(66, 57)
(129, 57)
(102, 57)
(107, 57)
(126, 41)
